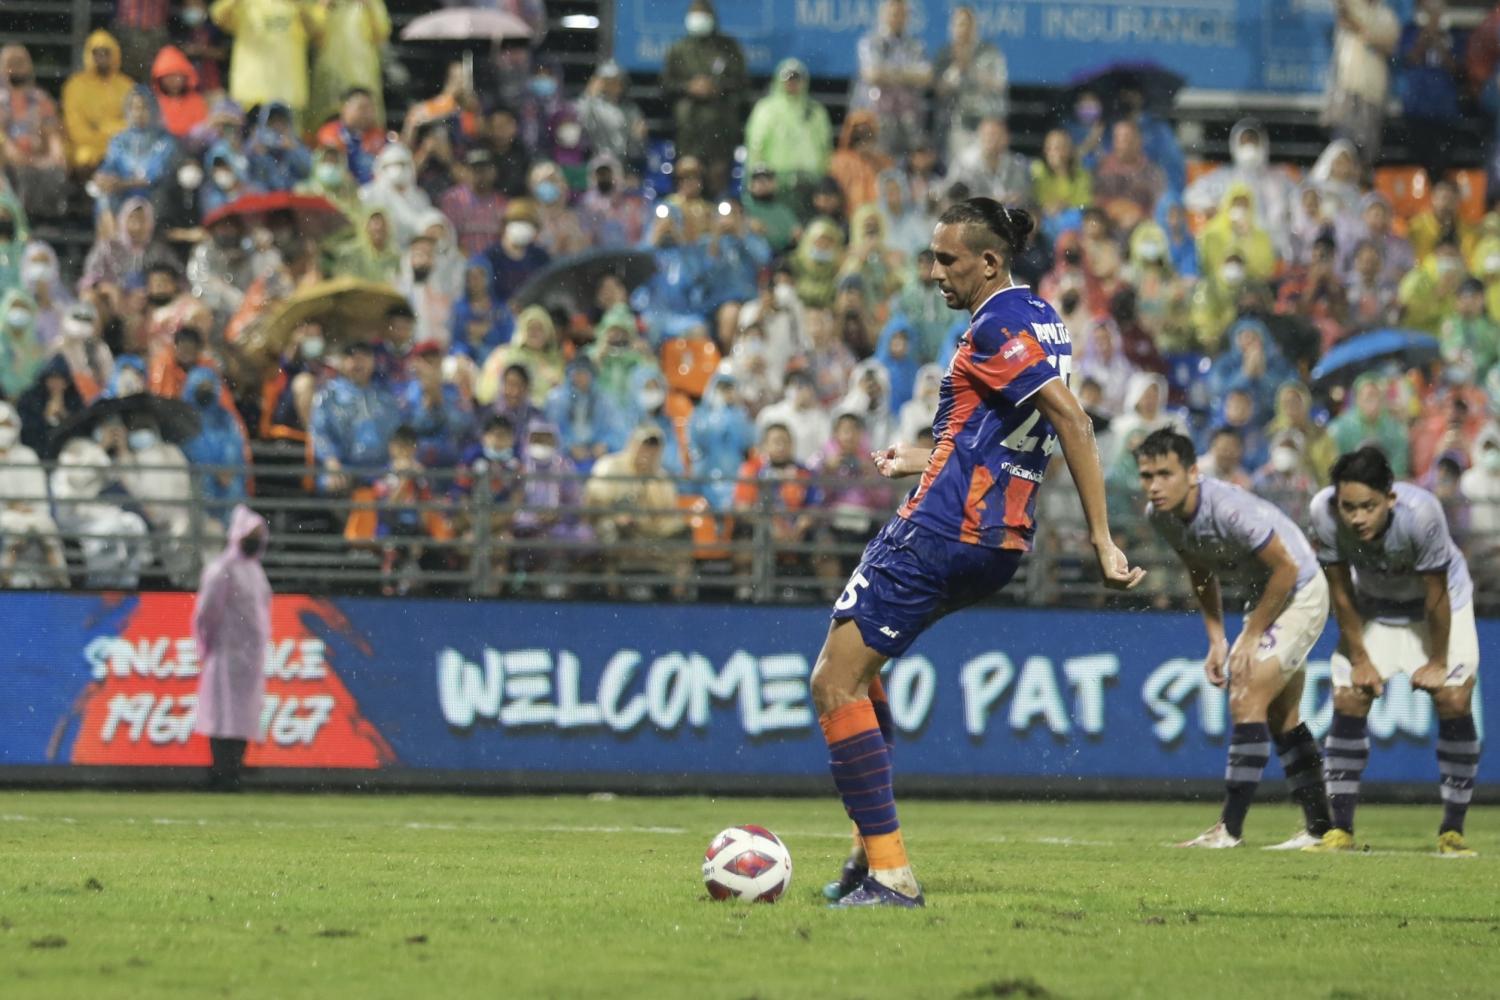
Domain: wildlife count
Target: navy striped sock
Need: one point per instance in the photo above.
(1303, 764)
(1458, 762)
(1249, 750)
(1346, 752)
(861, 767)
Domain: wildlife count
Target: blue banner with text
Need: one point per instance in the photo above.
(645, 690)
(1273, 46)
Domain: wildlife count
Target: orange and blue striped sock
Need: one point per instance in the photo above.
(860, 761)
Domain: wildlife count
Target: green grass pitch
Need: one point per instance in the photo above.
(260, 895)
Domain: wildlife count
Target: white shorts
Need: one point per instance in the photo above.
(1400, 647)
(1298, 628)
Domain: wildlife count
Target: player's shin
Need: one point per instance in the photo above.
(1249, 750)
(860, 763)
(1346, 752)
(1458, 762)
(1303, 764)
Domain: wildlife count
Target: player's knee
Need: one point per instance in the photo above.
(1351, 701)
(830, 685)
(1452, 702)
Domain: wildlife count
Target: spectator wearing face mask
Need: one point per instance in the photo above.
(706, 77)
(1480, 485)
(816, 264)
(612, 217)
(25, 523)
(90, 362)
(588, 424)
(634, 506)
(474, 205)
(22, 352)
(372, 255)
(224, 184)
(516, 257)
(155, 473)
(559, 231)
(1271, 190)
(535, 348)
(357, 132)
(1429, 291)
(1218, 299)
(394, 189)
(720, 434)
(432, 408)
(353, 418)
(202, 42)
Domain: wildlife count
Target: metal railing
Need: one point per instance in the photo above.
(450, 533)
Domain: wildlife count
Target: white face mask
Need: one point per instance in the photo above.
(1238, 215)
(312, 348)
(77, 329)
(9, 435)
(224, 179)
(698, 23)
(1150, 250)
(35, 272)
(398, 175)
(1284, 459)
(129, 383)
(18, 319)
(143, 440)
(1248, 156)
(542, 452)
(520, 233)
(189, 176)
(652, 397)
(569, 134)
(1233, 275)
(1492, 263)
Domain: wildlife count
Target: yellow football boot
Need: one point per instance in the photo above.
(1333, 841)
(1451, 845)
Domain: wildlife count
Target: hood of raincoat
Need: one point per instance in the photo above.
(1251, 125)
(1136, 388)
(1322, 170)
(854, 120)
(820, 227)
(39, 249)
(134, 205)
(101, 39)
(152, 105)
(776, 93)
(539, 314)
(242, 523)
(125, 363)
(1144, 235)
(171, 61)
(862, 217)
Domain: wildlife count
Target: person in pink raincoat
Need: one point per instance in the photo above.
(232, 626)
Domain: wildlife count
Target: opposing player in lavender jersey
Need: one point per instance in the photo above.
(1223, 533)
(1404, 603)
(1003, 408)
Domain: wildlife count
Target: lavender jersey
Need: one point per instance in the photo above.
(1388, 570)
(1228, 530)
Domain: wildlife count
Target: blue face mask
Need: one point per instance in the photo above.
(548, 193)
(543, 86)
(499, 454)
(142, 440)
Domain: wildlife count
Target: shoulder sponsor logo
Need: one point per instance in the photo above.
(1012, 349)
(1020, 472)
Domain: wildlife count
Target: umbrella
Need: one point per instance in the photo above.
(348, 309)
(177, 420)
(1156, 84)
(315, 215)
(571, 283)
(459, 23)
(1361, 353)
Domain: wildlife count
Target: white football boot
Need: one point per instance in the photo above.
(1215, 838)
(1300, 840)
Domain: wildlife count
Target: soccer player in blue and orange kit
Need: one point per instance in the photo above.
(1005, 405)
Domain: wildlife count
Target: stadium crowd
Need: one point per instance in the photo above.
(275, 251)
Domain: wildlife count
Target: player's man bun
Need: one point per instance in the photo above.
(1011, 226)
(1367, 466)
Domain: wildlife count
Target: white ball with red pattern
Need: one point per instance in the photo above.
(749, 863)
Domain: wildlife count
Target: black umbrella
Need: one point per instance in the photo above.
(177, 421)
(572, 282)
(1157, 85)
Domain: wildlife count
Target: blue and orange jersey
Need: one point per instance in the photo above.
(992, 443)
